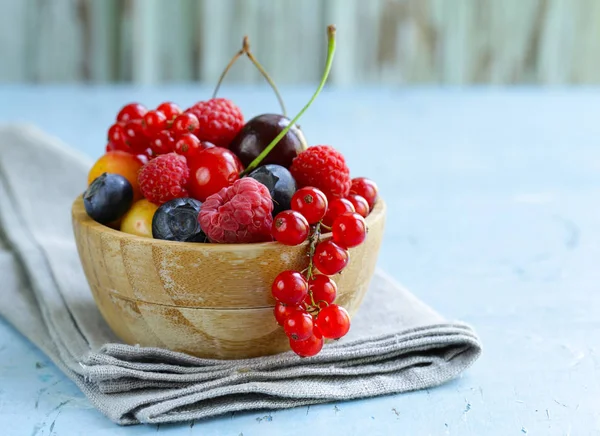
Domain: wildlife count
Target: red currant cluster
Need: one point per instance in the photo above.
(305, 300)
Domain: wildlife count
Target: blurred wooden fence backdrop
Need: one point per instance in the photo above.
(380, 41)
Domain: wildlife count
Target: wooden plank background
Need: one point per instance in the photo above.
(380, 41)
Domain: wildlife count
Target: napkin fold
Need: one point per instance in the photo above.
(397, 343)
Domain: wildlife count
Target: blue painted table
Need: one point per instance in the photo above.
(493, 219)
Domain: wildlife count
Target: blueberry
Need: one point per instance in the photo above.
(108, 198)
(280, 183)
(177, 220)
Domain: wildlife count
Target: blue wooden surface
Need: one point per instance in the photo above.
(493, 219)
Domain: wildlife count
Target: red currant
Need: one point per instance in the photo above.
(132, 111)
(154, 122)
(322, 289)
(366, 188)
(188, 145)
(290, 228)
(205, 144)
(336, 208)
(334, 321)
(162, 143)
(310, 202)
(298, 325)
(111, 146)
(185, 123)
(289, 287)
(116, 135)
(212, 170)
(308, 347)
(282, 311)
(330, 258)
(135, 137)
(349, 230)
(171, 110)
(361, 206)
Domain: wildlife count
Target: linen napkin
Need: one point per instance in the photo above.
(397, 343)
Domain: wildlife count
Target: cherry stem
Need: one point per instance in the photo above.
(229, 65)
(264, 73)
(330, 51)
(245, 50)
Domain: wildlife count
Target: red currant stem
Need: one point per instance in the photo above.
(275, 141)
(313, 308)
(315, 237)
(325, 227)
(260, 68)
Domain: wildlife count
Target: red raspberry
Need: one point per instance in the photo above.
(164, 178)
(324, 168)
(220, 120)
(240, 213)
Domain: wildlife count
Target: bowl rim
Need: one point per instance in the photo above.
(80, 216)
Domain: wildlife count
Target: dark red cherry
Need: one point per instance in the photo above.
(259, 132)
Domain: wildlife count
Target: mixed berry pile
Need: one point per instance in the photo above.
(203, 175)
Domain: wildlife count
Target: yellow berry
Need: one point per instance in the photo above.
(138, 220)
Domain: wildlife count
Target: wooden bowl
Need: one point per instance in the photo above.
(207, 300)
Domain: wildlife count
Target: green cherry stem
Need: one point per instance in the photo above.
(274, 142)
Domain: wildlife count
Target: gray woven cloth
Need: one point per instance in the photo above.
(396, 344)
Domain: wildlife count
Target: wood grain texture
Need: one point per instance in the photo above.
(209, 300)
(389, 41)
